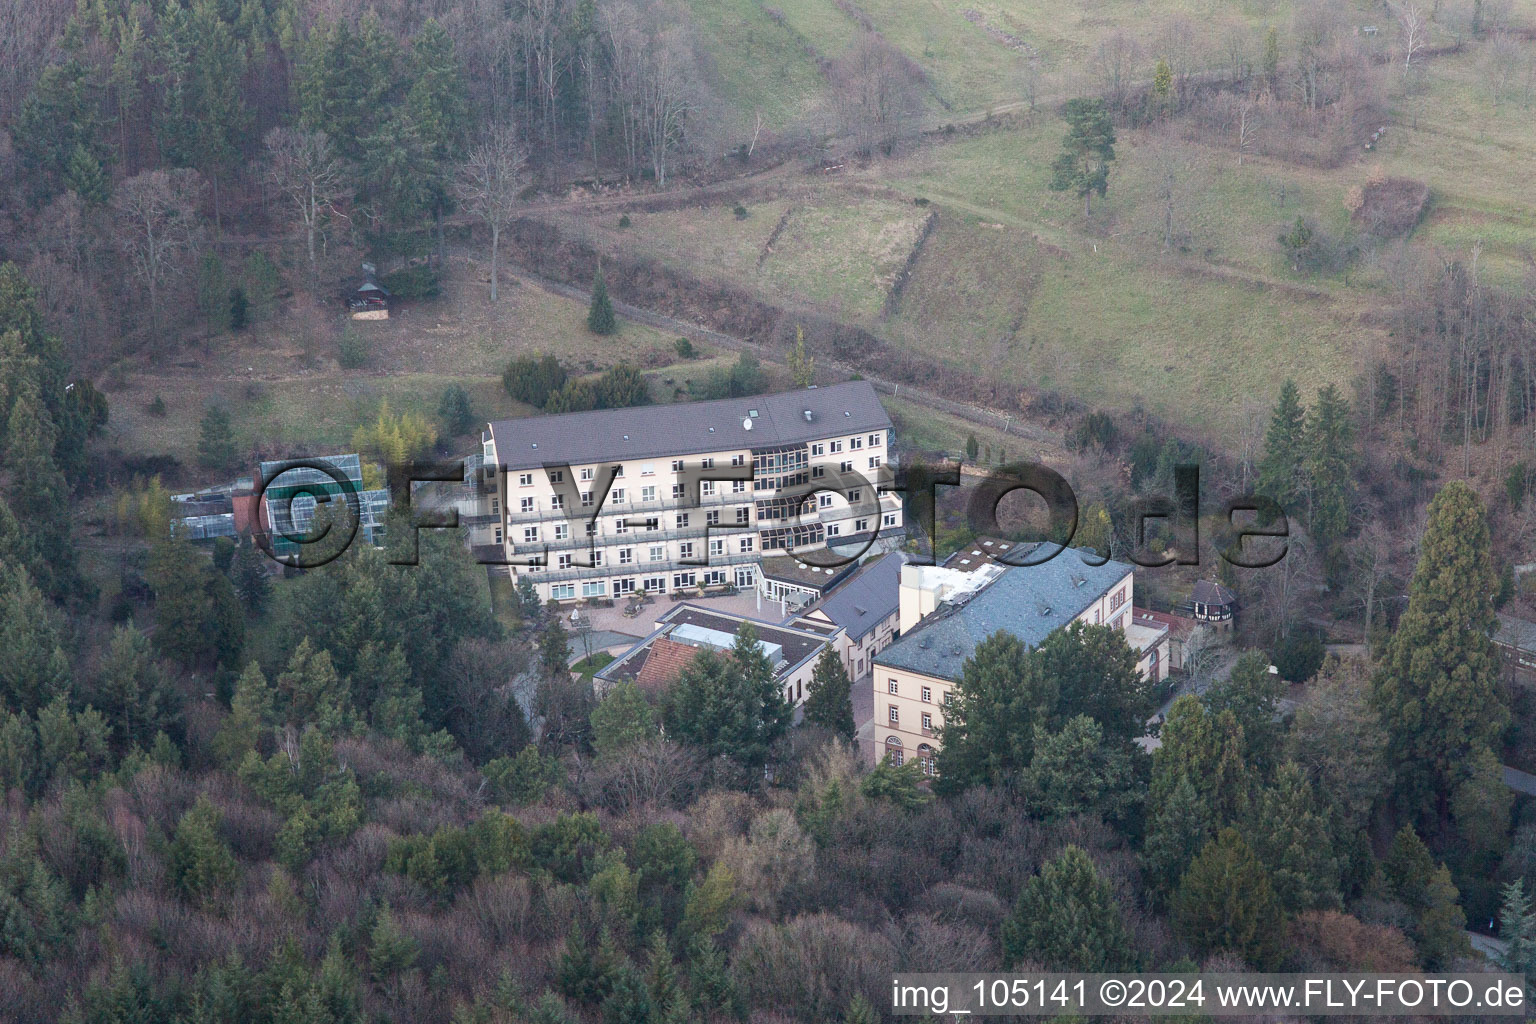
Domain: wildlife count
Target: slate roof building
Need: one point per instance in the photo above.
(609, 503)
(1212, 603)
(946, 612)
(861, 614)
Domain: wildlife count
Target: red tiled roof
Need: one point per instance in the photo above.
(1178, 625)
(665, 660)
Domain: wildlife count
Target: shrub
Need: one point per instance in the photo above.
(532, 379)
(352, 350)
(454, 408)
(157, 407)
(239, 309)
(684, 348)
(740, 212)
(624, 221)
(1299, 656)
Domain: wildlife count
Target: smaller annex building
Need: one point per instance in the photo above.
(685, 630)
(946, 611)
(862, 615)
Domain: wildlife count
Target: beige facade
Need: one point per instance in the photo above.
(909, 705)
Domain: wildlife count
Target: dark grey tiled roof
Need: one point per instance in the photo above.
(1516, 633)
(657, 431)
(868, 599)
(1028, 601)
(1209, 592)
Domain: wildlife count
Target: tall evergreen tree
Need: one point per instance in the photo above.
(216, 447)
(1094, 673)
(1252, 694)
(1517, 927)
(249, 576)
(989, 728)
(1281, 465)
(730, 706)
(828, 702)
(1226, 903)
(1082, 167)
(600, 316)
(39, 495)
(1329, 465)
(1436, 686)
(1178, 827)
(133, 692)
(34, 669)
(1291, 836)
(1067, 919)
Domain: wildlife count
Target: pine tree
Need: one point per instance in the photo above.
(39, 493)
(1208, 751)
(972, 448)
(35, 668)
(730, 706)
(1226, 903)
(860, 1011)
(1177, 830)
(1441, 932)
(1075, 771)
(1296, 845)
(1066, 919)
(1252, 694)
(200, 864)
(600, 316)
(391, 951)
(1330, 456)
(1408, 869)
(1280, 467)
(239, 309)
(989, 728)
(1271, 59)
(802, 367)
(133, 692)
(1086, 152)
(1436, 687)
(311, 691)
(250, 715)
(248, 575)
(1093, 672)
(828, 702)
(621, 719)
(1517, 927)
(216, 441)
(85, 177)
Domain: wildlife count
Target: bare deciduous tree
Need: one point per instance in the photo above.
(875, 89)
(1500, 66)
(156, 228)
(668, 88)
(491, 182)
(1412, 27)
(306, 170)
(1116, 62)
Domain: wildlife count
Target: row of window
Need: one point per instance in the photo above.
(557, 476)
(894, 716)
(650, 524)
(744, 578)
(926, 692)
(894, 751)
(656, 552)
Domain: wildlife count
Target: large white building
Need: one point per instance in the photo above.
(679, 498)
